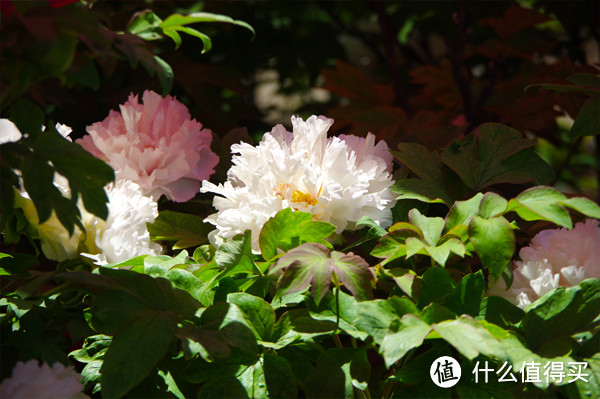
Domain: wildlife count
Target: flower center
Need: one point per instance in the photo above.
(286, 191)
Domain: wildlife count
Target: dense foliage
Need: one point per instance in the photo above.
(491, 117)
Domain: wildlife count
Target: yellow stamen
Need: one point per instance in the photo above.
(297, 196)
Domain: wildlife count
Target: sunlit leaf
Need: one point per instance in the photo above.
(313, 265)
(494, 242)
(288, 229)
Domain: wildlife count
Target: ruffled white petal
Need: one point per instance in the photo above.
(336, 179)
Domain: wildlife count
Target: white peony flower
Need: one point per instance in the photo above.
(555, 258)
(124, 234)
(9, 132)
(338, 180)
(32, 380)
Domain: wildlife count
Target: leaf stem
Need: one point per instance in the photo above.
(388, 389)
(337, 302)
(337, 341)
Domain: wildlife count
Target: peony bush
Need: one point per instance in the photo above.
(426, 227)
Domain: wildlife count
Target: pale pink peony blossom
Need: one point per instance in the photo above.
(555, 258)
(156, 145)
(32, 380)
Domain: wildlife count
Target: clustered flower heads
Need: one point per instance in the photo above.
(156, 145)
(337, 180)
(122, 236)
(555, 258)
(32, 380)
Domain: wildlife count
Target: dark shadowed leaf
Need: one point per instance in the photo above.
(466, 298)
(181, 227)
(279, 377)
(437, 285)
(338, 372)
(479, 157)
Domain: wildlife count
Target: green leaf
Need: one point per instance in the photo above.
(257, 312)
(337, 373)
(230, 325)
(522, 167)
(37, 177)
(17, 264)
(501, 312)
(426, 165)
(135, 351)
(279, 377)
(420, 190)
(393, 245)
(374, 317)
(470, 338)
(155, 293)
(145, 24)
(435, 313)
(354, 273)
(313, 264)
(561, 312)
(165, 74)
(584, 79)
(585, 83)
(299, 324)
(87, 174)
(235, 256)
(479, 158)
(176, 226)
(541, 203)
(403, 335)
(583, 205)
(308, 264)
(439, 253)
(176, 37)
(438, 182)
(466, 298)
(253, 380)
(177, 20)
(430, 227)
(591, 388)
(206, 42)
(375, 230)
(492, 205)
(437, 285)
(340, 308)
(60, 54)
(462, 212)
(288, 229)
(494, 241)
(28, 117)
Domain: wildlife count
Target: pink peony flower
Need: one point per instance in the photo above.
(555, 258)
(156, 145)
(32, 380)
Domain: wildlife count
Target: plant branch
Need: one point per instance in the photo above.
(390, 42)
